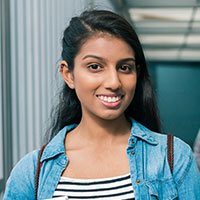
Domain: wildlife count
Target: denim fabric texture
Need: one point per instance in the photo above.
(149, 168)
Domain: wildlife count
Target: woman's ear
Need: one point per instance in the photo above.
(66, 74)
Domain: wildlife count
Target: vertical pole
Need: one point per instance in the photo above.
(6, 88)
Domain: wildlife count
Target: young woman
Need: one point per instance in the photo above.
(104, 140)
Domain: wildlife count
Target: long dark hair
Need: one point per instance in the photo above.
(143, 106)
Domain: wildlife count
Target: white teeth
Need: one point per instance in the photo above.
(109, 99)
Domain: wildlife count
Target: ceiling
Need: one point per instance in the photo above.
(168, 30)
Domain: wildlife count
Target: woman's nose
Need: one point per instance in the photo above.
(112, 80)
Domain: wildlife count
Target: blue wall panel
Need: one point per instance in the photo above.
(178, 92)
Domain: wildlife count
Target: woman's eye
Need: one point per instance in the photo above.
(125, 68)
(94, 67)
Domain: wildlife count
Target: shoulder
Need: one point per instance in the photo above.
(185, 165)
(158, 142)
(20, 183)
(182, 151)
(180, 147)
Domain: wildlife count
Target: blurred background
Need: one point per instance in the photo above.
(31, 33)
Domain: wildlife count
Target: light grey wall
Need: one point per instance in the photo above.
(1, 117)
(5, 91)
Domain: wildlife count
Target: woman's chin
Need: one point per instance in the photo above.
(111, 116)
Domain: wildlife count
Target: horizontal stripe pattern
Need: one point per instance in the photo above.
(113, 188)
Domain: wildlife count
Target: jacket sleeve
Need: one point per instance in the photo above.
(197, 149)
(20, 184)
(186, 173)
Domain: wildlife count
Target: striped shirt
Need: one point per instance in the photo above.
(113, 188)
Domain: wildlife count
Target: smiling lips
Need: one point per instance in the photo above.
(110, 100)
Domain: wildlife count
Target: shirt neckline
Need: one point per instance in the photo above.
(64, 178)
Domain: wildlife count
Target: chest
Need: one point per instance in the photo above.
(148, 182)
(97, 163)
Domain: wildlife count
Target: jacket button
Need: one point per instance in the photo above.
(132, 153)
(63, 162)
(138, 181)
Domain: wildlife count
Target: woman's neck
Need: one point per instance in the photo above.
(99, 131)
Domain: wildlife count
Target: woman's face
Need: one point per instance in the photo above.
(104, 76)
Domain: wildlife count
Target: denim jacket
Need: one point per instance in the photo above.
(149, 169)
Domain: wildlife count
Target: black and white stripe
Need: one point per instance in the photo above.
(114, 188)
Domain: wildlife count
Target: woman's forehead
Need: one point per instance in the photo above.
(105, 45)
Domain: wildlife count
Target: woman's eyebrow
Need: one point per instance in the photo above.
(127, 59)
(102, 59)
(93, 56)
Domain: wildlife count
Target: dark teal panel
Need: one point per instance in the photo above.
(178, 92)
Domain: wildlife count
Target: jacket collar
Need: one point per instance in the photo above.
(56, 145)
(140, 131)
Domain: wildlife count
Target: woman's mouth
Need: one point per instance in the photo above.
(110, 100)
